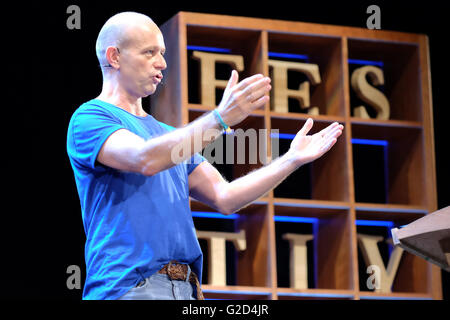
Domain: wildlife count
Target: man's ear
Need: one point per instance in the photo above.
(112, 55)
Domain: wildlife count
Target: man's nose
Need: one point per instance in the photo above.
(161, 63)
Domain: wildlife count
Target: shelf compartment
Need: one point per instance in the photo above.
(217, 40)
(326, 52)
(332, 251)
(299, 226)
(255, 262)
(411, 270)
(250, 267)
(401, 180)
(323, 179)
(401, 69)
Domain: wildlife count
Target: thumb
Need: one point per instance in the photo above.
(306, 127)
(233, 80)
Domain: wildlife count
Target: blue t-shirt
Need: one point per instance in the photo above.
(134, 224)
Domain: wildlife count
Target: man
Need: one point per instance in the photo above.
(140, 238)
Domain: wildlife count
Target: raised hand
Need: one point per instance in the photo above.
(306, 148)
(240, 99)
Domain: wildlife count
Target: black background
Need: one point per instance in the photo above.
(42, 229)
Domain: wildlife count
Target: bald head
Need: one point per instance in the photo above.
(117, 32)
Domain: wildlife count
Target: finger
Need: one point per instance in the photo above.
(248, 81)
(326, 130)
(334, 133)
(306, 127)
(260, 102)
(257, 90)
(255, 86)
(233, 80)
(326, 147)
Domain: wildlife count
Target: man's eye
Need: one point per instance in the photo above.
(150, 52)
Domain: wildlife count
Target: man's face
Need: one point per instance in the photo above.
(141, 60)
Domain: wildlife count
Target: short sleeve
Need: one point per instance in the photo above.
(89, 128)
(194, 161)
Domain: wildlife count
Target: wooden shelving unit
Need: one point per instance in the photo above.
(331, 197)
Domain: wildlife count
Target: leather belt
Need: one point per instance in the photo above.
(178, 271)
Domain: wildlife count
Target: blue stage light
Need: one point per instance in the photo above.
(288, 55)
(383, 143)
(366, 62)
(282, 136)
(209, 49)
(295, 219)
(375, 223)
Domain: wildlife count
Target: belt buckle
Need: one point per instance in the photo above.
(175, 271)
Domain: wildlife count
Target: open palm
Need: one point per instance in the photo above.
(307, 148)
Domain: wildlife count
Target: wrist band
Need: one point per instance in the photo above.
(222, 123)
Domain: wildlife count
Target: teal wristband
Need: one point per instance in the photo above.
(222, 123)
